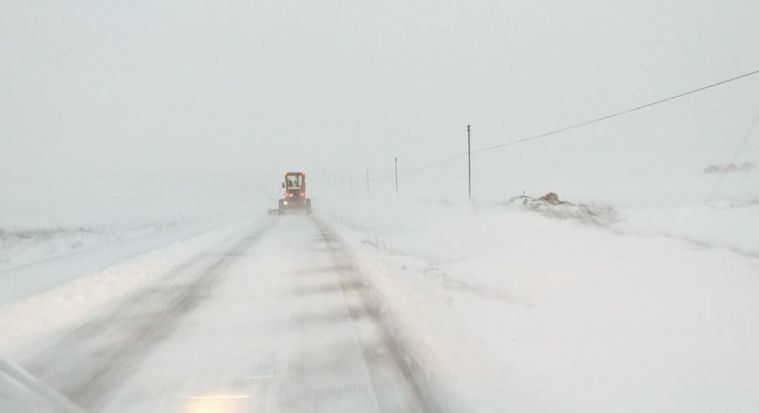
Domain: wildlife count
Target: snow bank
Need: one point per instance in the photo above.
(34, 318)
(23, 247)
(730, 225)
(520, 312)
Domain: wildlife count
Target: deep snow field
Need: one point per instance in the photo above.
(519, 311)
(505, 308)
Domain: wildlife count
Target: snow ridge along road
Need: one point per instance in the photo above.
(386, 350)
(91, 360)
(291, 325)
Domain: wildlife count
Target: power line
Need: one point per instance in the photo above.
(436, 164)
(591, 121)
(616, 114)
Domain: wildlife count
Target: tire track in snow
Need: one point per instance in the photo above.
(89, 362)
(387, 350)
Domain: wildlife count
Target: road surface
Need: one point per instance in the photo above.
(279, 318)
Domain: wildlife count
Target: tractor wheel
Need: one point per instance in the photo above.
(308, 206)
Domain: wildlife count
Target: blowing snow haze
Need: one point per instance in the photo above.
(136, 135)
(347, 86)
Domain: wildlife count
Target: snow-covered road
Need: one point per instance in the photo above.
(275, 318)
(408, 307)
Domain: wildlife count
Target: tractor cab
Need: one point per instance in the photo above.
(294, 196)
(294, 185)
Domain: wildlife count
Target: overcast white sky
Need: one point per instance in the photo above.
(135, 85)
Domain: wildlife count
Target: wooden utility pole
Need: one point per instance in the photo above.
(396, 177)
(368, 188)
(469, 156)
